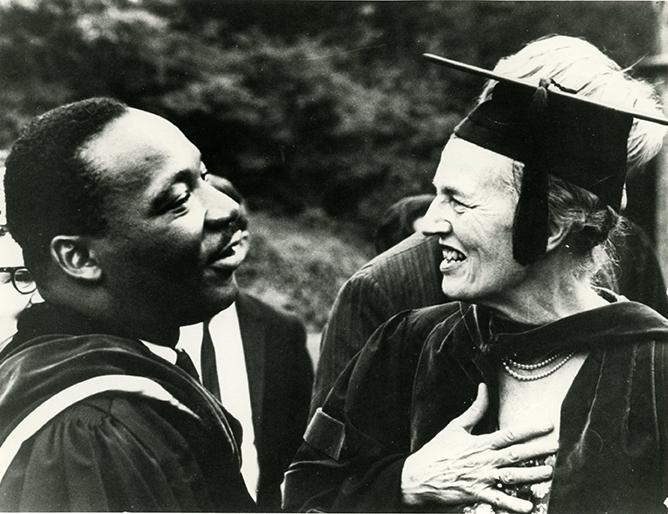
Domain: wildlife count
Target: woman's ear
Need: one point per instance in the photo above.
(558, 232)
(74, 257)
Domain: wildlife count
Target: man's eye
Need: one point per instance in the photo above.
(180, 200)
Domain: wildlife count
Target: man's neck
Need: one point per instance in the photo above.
(116, 323)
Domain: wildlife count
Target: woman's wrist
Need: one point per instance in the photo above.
(415, 485)
(410, 487)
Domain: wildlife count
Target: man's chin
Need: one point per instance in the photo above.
(227, 295)
(215, 300)
(223, 296)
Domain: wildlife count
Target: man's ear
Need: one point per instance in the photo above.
(558, 233)
(75, 257)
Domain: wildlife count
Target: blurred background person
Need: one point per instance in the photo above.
(402, 219)
(253, 358)
(16, 286)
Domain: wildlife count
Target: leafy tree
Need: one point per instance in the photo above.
(302, 104)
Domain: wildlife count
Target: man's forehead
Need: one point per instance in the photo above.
(139, 140)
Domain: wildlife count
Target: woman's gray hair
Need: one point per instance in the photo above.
(576, 64)
(590, 224)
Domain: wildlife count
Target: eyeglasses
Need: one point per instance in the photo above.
(20, 277)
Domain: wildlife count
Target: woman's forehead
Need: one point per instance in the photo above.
(472, 166)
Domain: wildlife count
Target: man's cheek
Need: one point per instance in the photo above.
(171, 255)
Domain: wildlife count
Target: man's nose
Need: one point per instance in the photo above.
(220, 208)
(435, 220)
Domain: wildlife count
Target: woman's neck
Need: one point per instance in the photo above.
(545, 297)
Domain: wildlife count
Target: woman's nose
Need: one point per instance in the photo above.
(435, 221)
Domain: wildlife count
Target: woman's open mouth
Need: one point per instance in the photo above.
(451, 257)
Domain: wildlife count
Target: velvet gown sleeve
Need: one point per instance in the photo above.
(356, 444)
(103, 454)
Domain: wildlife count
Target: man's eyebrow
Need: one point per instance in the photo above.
(162, 196)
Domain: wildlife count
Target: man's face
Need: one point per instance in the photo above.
(225, 186)
(472, 215)
(169, 252)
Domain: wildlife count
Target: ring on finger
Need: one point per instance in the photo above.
(503, 479)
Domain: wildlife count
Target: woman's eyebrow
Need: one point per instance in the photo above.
(450, 191)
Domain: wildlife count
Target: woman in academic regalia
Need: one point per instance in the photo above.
(537, 392)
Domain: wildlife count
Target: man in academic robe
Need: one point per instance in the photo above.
(127, 242)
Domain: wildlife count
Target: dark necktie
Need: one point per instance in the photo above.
(183, 361)
(209, 368)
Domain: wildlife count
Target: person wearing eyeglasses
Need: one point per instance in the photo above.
(16, 287)
(20, 278)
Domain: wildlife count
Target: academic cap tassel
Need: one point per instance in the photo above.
(530, 225)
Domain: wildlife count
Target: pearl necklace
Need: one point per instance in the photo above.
(529, 367)
(507, 362)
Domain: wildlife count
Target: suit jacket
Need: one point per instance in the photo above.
(280, 375)
(407, 277)
(404, 277)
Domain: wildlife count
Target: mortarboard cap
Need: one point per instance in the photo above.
(552, 131)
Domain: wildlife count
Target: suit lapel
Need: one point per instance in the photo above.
(253, 339)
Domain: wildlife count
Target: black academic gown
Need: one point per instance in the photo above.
(421, 369)
(118, 451)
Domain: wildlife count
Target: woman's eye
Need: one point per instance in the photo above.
(458, 206)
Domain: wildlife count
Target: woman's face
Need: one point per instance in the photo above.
(472, 215)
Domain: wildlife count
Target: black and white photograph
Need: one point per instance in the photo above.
(334, 256)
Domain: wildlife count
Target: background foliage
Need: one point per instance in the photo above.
(321, 112)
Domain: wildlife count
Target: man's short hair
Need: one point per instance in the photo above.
(49, 189)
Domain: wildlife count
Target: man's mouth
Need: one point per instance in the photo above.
(227, 253)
